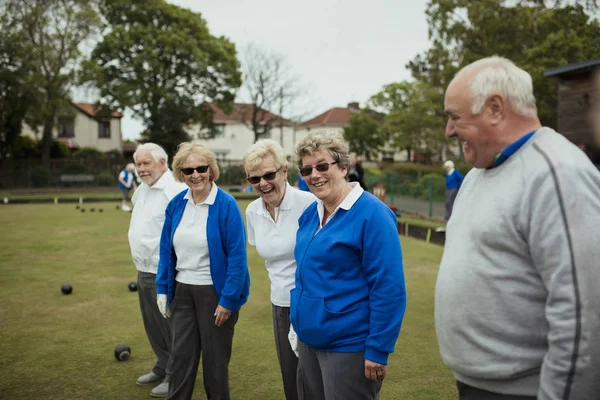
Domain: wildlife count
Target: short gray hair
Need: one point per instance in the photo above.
(333, 142)
(158, 153)
(185, 149)
(260, 150)
(499, 75)
(449, 164)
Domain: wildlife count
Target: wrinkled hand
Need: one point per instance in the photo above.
(374, 371)
(293, 338)
(222, 314)
(161, 301)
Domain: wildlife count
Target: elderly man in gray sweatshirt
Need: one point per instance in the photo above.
(517, 300)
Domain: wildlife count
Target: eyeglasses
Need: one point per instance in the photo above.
(267, 177)
(307, 169)
(199, 169)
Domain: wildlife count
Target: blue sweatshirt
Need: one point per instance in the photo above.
(350, 294)
(454, 180)
(226, 244)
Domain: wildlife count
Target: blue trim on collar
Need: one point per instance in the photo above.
(511, 149)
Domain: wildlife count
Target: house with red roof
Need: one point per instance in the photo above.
(235, 134)
(86, 125)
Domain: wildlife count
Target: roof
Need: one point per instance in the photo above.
(338, 116)
(93, 109)
(242, 112)
(574, 68)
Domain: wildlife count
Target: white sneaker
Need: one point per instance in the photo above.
(125, 207)
(161, 390)
(150, 377)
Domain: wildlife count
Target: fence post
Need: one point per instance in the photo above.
(430, 197)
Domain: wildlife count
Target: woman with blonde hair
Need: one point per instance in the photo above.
(272, 222)
(203, 278)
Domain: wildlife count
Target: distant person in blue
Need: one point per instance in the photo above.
(350, 296)
(453, 181)
(126, 184)
(302, 184)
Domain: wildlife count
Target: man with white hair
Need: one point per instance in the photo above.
(149, 203)
(517, 297)
(453, 181)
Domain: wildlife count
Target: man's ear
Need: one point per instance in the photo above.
(497, 106)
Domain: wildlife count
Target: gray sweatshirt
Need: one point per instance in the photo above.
(517, 299)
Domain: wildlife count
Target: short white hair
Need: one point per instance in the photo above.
(499, 75)
(449, 164)
(256, 154)
(157, 152)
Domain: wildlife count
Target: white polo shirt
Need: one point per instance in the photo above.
(275, 241)
(346, 204)
(147, 219)
(191, 241)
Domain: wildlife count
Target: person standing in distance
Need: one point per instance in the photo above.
(126, 184)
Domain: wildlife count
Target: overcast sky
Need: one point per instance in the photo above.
(343, 50)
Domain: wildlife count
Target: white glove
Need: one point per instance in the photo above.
(161, 301)
(293, 338)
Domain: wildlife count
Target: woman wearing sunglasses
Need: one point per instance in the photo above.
(202, 279)
(349, 300)
(272, 222)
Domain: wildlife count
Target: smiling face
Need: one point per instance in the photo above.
(199, 183)
(149, 170)
(328, 185)
(472, 130)
(271, 191)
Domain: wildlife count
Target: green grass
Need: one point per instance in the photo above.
(98, 193)
(61, 347)
(425, 223)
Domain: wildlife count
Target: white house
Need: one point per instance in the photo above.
(235, 135)
(335, 119)
(85, 127)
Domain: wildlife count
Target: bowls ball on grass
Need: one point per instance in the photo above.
(66, 289)
(122, 352)
(133, 286)
(92, 209)
(77, 207)
(83, 210)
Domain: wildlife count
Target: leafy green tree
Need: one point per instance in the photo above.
(48, 35)
(364, 135)
(536, 34)
(161, 61)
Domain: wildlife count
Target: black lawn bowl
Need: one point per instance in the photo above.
(83, 210)
(132, 286)
(99, 210)
(77, 207)
(66, 289)
(118, 207)
(122, 352)
(92, 209)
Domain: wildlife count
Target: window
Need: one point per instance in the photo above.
(104, 129)
(66, 128)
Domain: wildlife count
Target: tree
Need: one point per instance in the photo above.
(414, 116)
(54, 32)
(270, 86)
(161, 61)
(364, 135)
(541, 35)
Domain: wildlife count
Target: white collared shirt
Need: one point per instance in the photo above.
(147, 219)
(346, 204)
(450, 172)
(191, 241)
(275, 241)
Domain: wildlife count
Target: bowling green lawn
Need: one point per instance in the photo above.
(54, 346)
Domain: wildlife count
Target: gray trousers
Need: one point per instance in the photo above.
(288, 362)
(158, 329)
(466, 392)
(195, 335)
(334, 376)
(450, 197)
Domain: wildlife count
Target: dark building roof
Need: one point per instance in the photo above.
(575, 68)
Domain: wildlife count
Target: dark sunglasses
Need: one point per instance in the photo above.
(267, 177)
(199, 169)
(307, 169)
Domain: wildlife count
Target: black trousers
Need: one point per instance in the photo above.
(288, 362)
(466, 392)
(194, 335)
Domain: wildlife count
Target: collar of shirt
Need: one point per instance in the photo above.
(511, 149)
(286, 203)
(210, 199)
(450, 172)
(346, 204)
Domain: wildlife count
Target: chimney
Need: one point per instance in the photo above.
(353, 106)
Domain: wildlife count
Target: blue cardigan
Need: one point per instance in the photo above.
(226, 244)
(350, 294)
